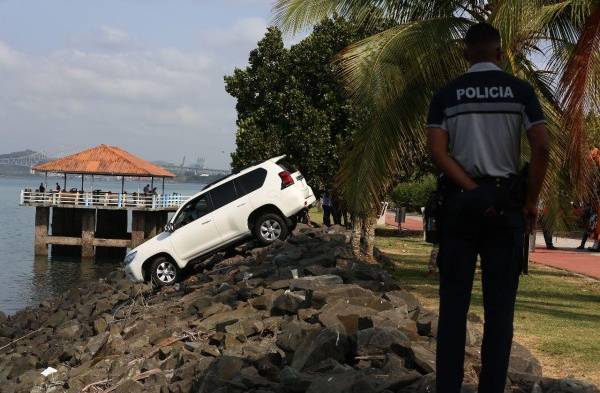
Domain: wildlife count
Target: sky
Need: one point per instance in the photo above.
(145, 75)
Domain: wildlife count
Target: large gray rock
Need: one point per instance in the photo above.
(221, 372)
(293, 334)
(290, 302)
(320, 346)
(522, 362)
(226, 317)
(424, 358)
(96, 343)
(567, 385)
(346, 318)
(379, 341)
(315, 282)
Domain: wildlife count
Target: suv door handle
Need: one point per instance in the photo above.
(206, 222)
(241, 204)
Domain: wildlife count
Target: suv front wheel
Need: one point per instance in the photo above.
(270, 227)
(164, 272)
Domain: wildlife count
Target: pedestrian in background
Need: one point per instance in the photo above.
(474, 132)
(326, 209)
(589, 220)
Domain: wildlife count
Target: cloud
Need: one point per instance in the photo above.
(243, 34)
(107, 38)
(108, 87)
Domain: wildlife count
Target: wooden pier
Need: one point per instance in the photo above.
(97, 223)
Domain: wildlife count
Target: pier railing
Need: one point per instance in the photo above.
(103, 199)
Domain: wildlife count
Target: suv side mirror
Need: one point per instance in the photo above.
(169, 227)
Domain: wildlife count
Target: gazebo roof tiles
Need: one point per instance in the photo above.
(104, 160)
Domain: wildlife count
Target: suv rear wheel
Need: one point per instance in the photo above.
(164, 271)
(270, 227)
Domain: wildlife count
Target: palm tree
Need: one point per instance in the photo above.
(555, 45)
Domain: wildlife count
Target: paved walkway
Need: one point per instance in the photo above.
(565, 257)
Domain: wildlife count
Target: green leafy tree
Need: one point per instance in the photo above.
(554, 44)
(291, 101)
(413, 195)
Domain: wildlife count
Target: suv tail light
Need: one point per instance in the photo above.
(286, 179)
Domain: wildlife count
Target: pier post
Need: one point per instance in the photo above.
(42, 220)
(138, 220)
(88, 228)
(111, 225)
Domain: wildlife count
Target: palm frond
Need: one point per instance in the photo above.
(575, 85)
(294, 15)
(394, 74)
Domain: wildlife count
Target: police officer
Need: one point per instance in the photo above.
(474, 132)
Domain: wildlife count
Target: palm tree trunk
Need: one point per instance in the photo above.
(369, 236)
(356, 236)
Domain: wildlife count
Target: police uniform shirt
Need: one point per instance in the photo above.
(484, 112)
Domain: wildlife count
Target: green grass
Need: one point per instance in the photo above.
(316, 215)
(557, 314)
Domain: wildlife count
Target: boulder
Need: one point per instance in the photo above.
(567, 385)
(227, 317)
(424, 359)
(321, 345)
(221, 372)
(293, 334)
(96, 343)
(345, 317)
(290, 302)
(294, 381)
(427, 324)
(522, 362)
(69, 329)
(56, 319)
(100, 325)
(378, 341)
(315, 282)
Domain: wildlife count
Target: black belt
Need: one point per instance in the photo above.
(499, 181)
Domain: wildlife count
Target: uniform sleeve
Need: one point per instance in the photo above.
(532, 113)
(436, 117)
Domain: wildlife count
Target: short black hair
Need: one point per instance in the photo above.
(482, 34)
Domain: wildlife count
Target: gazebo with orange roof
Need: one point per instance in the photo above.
(104, 160)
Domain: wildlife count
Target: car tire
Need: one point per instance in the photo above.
(164, 272)
(269, 228)
(294, 224)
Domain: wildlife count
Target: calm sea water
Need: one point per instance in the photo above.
(26, 280)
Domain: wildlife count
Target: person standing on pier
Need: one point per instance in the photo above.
(474, 131)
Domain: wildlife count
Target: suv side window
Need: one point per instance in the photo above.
(251, 181)
(193, 210)
(223, 194)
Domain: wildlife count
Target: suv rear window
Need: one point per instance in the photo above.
(287, 165)
(251, 181)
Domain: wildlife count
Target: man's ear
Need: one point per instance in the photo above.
(499, 53)
(466, 54)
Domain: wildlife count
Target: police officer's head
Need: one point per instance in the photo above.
(483, 43)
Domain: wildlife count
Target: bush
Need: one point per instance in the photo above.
(413, 195)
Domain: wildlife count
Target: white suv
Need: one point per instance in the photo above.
(262, 202)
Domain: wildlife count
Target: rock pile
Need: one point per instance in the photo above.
(298, 316)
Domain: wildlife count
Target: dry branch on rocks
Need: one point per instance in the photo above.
(245, 324)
